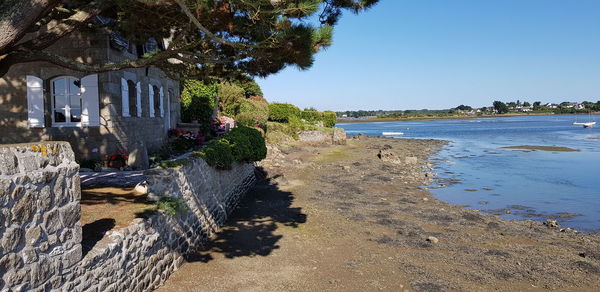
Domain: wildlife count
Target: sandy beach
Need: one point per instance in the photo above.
(356, 217)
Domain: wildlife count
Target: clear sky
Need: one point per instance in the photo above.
(442, 53)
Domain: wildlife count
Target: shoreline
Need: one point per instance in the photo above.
(356, 217)
(417, 119)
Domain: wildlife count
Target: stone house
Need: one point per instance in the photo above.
(95, 113)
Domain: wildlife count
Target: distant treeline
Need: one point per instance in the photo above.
(392, 113)
(498, 107)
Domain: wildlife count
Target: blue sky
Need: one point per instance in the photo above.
(441, 53)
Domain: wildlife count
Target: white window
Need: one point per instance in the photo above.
(74, 102)
(66, 101)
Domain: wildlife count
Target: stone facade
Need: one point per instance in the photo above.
(41, 249)
(317, 138)
(39, 215)
(116, 130)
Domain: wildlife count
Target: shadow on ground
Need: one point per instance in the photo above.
(250, 231)
(94, 232)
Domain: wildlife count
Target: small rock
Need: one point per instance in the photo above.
(550, 223)
(141, 188)
(410, 160)
(432, 239)
(425, 199)
(568, 230)
(346, 167)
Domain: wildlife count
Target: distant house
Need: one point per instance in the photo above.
(551, 105)
(578, 106)
(96, 113)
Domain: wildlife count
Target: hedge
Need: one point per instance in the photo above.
(242, 144)
(281, 112)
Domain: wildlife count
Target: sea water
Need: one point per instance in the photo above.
(476, 171)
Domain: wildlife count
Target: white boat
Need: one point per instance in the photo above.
(585, 125)
(392, 133)
(588, 124)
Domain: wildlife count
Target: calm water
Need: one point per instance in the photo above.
(532, 185)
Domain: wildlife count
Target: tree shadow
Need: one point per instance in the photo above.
(112, 196)
(250, 231)
(93, 232)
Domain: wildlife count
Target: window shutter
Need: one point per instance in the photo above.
(138, 100)
(90, 115)
(35, 102)
(151, 99)
(162, 95)
(125, 97)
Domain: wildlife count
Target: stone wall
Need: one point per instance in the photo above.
(316, 138)
(39, 215)
(137, 258)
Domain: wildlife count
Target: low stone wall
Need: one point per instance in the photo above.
(336, 136)
(137, 258)
(39, 215)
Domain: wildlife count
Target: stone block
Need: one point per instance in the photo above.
(10, 262)
(29, 255)
(72, 256)
(45, 199)
(11, 238)
(339, 136)
(70, 214)
(33, 235)
(40, 271)
(8, 162)
(52, 222)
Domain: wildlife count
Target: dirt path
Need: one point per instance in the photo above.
(340, 218)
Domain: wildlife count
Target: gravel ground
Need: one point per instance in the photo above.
(356, 218)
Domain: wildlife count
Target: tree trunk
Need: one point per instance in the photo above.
(16, 16)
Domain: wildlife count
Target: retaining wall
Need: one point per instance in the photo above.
(317, 138)
(137, 258)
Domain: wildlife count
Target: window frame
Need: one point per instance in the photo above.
(67, 105)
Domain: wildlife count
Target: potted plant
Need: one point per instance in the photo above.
(116, 159)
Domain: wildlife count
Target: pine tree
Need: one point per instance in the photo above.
(223, 38)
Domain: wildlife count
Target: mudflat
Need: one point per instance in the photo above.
(356, 217)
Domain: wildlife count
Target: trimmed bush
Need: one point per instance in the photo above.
(242, 144)
(329, 119)
(281, 112)
(247, 143)
(218, 153)
(311, 115)
(198, 101)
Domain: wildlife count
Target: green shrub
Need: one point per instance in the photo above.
(296, 125)
(311, 115)
(247, 143)
(198, 101)
(218, 153)
(252, 112)
(329, 119)
(171, 205)
(281, 112)
(230, 96)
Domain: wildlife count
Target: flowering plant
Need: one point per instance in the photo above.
(117, 156)
(223, 124)
(197, 138)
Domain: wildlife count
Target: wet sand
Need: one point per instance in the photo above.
(356, 218)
